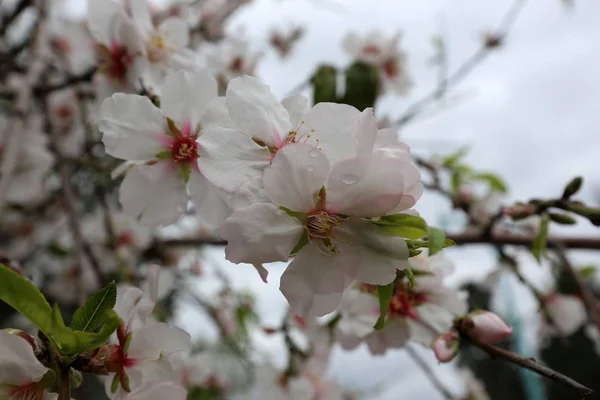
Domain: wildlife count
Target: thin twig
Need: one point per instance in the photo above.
(428, 371)
(530, 364)
(587, 296)
(571, 242)
(41, 90)
(481, 54)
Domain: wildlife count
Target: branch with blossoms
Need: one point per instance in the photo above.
(121, 158)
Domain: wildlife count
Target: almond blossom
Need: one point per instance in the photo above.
(229, 59)
(162, 144)
(487, 327)
(318, 212)
(21, 374)
(567, 313)
(420, 313)
(381, 51)
(141, 355)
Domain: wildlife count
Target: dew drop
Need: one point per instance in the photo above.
(349, 179)
(314, 153)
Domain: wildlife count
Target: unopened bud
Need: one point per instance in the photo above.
(562, 219)
(519, 211)
(572, 187)
(446, 346)
(487, 327)
(75, 378)
(492, 40)
(593, 214)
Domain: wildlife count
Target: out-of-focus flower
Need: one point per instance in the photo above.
(566, 312)
(383, 52)
(446, 346)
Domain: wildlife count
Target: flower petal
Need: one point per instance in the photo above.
(366, 187)
(393, 336)
(131, 125)
(229, 158)
(101, 18)
(297, 107)
(154, 194)
(176, 33)
(217, 115)
(365, 132)
(256, 110)
(259, 234)
(159, 391)
(295, 176)
(302, 299)
(186, 96)
(379, 253)
(212, 204)
(331, 128)
(19, 364)
(140, 13)
(148, 343)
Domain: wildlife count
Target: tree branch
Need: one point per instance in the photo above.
(530, 364)
(574, 242)
(428, 371)
(41, 90)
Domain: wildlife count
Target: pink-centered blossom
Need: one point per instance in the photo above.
(21, 374)
(162, 145)
(323, 209)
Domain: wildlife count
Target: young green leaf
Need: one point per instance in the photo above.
(403, 225)
(541, 240)
(437, 240)
(385, 294)
(494, 181)
(410, 276)
(452, 160)
(22, 295)
(92, 314)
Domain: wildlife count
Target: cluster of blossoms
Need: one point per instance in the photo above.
(187, 131)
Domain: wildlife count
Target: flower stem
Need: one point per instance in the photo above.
(64, 384)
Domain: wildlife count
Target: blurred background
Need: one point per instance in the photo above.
(526, 112)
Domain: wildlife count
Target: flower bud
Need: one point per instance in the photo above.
(487, 327)
(562, 219)
(572, 187)
(446, 346)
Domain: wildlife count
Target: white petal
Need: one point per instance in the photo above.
(229, 158)
(251, 193)
(413, 188)
(379, 253)
(323, 273)
(127, 298)
(295, 176)
(148, 343)
(262, 272)
(154, 194)
(101, 18)
(145, 373)
(175, 31)
(435, 321)
(212, 204)
(394, 335)
(365, 187)
(260, 233)
(302, 299)
(365, 132)
(567, 312)
(297, 107)
(217, 115)
(18, 364)
(140, 12)
(186, 96)
(131, 125)
(331, 128)
(256, 110)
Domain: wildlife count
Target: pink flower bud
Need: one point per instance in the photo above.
(446, 346)
(487, 327)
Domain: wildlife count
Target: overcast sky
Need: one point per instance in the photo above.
(532, 116)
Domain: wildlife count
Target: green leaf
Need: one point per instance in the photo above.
(453, 159)
(456, 180)
(163, 155)
(588, 271)
(92, 314)
(385, 294)
(294, 214)
(404, 225)
(410, 276)
(541, 240)
(496, 183)
(57, 250)
(301, 243)
(437, 240)
(69, 343)
(22, 295)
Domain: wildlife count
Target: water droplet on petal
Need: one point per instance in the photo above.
(349, 179)
(314, 153)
